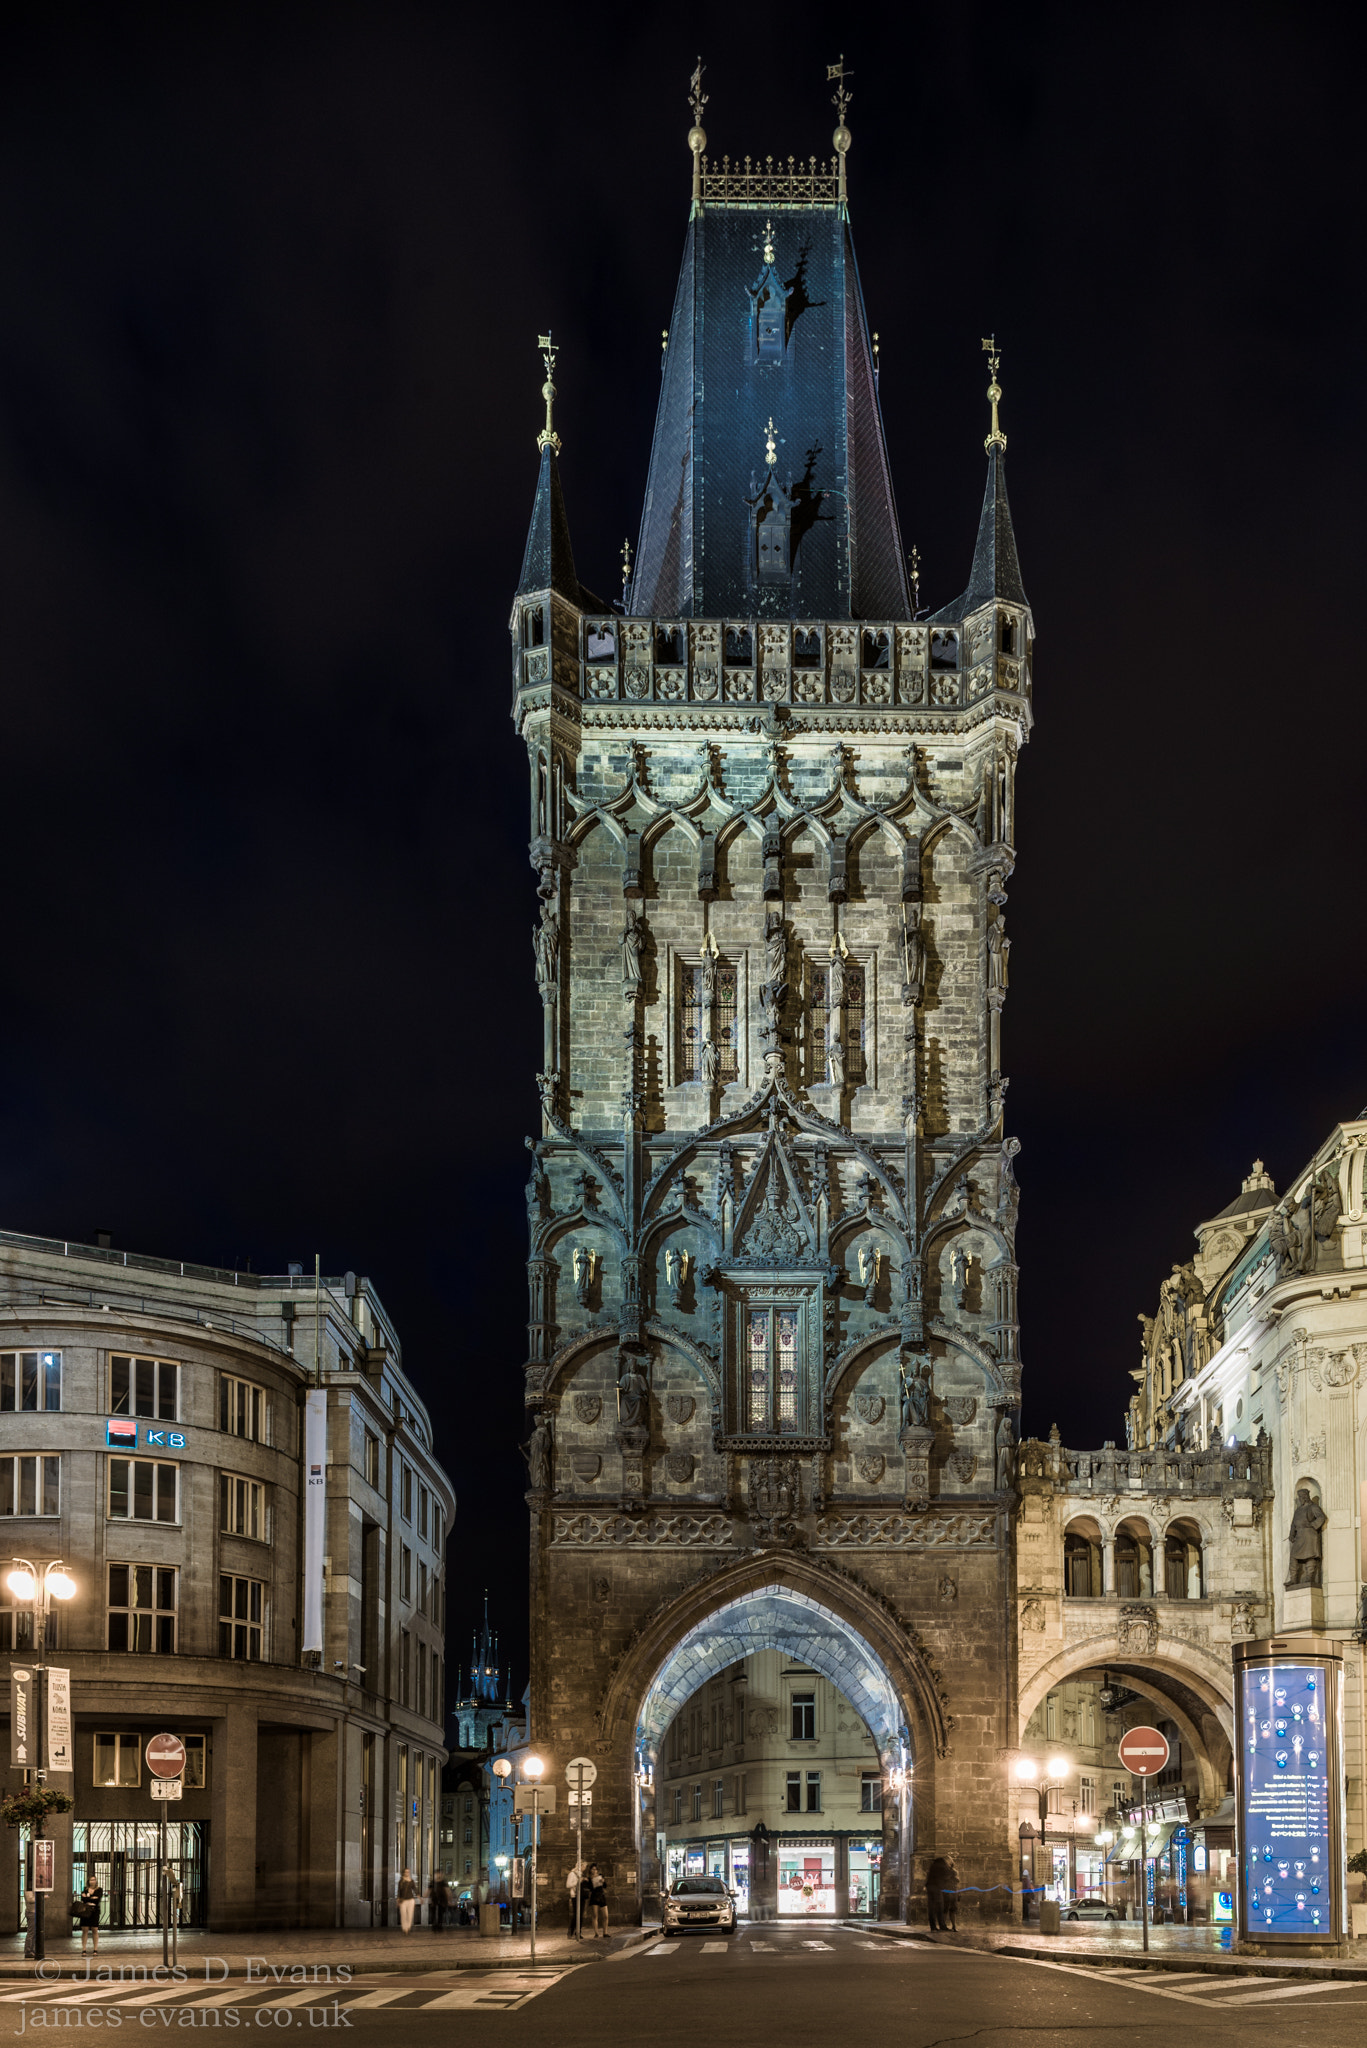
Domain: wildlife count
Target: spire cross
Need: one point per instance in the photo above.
(548, 438)
(697, 134)
(996, 439)
(915, 581)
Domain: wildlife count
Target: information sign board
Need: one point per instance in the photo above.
(57, 1685)
(44, 1864)
(1291, 1879)
(166, 1788)
(23, 1748)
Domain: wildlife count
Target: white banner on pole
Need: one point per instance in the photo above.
(59, 1757)
(315, 1515)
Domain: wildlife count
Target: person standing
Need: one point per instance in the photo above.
(438, 1901)
(598, 1900)
(949, 1911)
(936, 1878)
(408, 1899)
(88, 1913)
(577, 1898)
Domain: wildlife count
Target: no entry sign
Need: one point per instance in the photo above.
(1144, 1751)
(166, 1756)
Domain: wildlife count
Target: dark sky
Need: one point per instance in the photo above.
(268, 398)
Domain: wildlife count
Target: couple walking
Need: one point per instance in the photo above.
(586, 1892)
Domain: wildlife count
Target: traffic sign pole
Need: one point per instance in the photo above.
(1144, 1751)
(581, 1771)
(165, 1756)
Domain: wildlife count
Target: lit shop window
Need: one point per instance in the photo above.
(143, 1386)
(142, 1608)
(30, 1379)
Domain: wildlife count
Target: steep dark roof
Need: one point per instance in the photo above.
(715, 401)
(996, 566)
(548, 561)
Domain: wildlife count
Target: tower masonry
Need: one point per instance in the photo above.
(773, 1373)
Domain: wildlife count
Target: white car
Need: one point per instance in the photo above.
(703, 1903)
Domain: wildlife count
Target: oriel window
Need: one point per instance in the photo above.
(771, 1369)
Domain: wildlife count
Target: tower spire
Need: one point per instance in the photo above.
(548, 560)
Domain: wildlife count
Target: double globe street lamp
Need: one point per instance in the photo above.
(37, 1592)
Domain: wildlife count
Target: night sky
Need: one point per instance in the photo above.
(272, 282)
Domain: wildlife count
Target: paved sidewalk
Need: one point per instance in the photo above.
(355, 1948)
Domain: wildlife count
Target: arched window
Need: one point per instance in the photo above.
(1183, 1562)
(1082, 1573)
(1133, 1562)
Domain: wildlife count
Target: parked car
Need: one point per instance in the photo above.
(1090, 1908)
(699, 1902)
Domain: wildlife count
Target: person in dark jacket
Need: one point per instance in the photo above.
(950, 1910)
(938, 1877)
(438, 1901)
(88, 1913)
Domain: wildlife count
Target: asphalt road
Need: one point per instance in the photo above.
(802, 1983)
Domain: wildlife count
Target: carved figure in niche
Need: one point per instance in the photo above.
(633, 934)
(1032, 1617)
(546, 940)
(538, 1193)
(1006, 1451)
(584, 1262)
(914, 950)
(868, 1273)
(676, 1273)
(959, 1263)
(835, 1061)
(916, 1391)
(998, 950)
(633, 1395)
(537, 1452)
(709, 969)
(545, 1088)
(1307, 1544)
(711, 1066)
(836, 988)
(776, 956)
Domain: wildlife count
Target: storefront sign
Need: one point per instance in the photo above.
(518, 1880)
(22, 1732)
(57, 1685)
(315, 1515)
(122, 1433)
(1292, 1882)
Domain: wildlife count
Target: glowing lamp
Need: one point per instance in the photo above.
(21, 1584)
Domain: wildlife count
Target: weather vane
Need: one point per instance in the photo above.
(626, 565)
(768, 241)
(697, 134)
(996, 439)
(548, 438)
(770, 445)
(697, 98)
(841, 97)
(915, 581)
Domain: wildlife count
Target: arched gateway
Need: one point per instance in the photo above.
(773, 1374)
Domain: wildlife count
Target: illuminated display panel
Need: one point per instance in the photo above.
(1290, 1837)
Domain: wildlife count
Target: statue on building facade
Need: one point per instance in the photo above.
(633, 1395)
(537, 1452)
(1307, 1543)
(916, 1393)
(632, 936)
(1006, 1451)
(546, 941)
(914, 955)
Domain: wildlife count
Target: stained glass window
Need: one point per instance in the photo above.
(773, 1393)
(851, 1024)
(786, 1382)
(693, 1024)
(758, 1370)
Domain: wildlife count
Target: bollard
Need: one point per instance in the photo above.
(1048, 1916)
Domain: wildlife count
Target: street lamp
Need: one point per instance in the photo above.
(534, 1769)
(1041, 1778)
(56, 1583)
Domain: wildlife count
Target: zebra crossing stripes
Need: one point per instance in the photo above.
(502, 1990)
(1209, 1992)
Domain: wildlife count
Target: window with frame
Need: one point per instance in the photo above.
(718, 1798)
(31, 1380)
(196, 1772)
(870, 1792)
(794, 1802)
(773, 1338)
(423, 1499)
(117, 1759)
(697, 1802)
(243, 1409)
(241, 1617)
(422, 1680)
(813, 1791)
(372, 1460)
(851, 1025)
(804, 1716)
(405, 1665)
(406, 1494)
(30, 1486)
(1086, 1793)
(143, 1490)
(142, 1608)
(678, 1805)
(693, 1023)
(739, 1793)
(422, 1587)
(143, 1386)
(405, 1572)
(16, 1622)
(242, 1507)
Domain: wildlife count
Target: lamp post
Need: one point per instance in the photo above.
(899, 1781)
(1104, 1839)
(1042, 1779)
(533, 1768)
(38, 1593)
(502, 1769)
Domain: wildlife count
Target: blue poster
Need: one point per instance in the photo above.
(1286, 1746)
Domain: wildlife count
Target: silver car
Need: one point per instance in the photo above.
(701, 1903)
(1090, 1907)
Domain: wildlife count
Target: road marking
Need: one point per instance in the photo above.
(816, 1944)
(762, 1948)
(1228, 1993)
(663, 1948)
(715, 1948)
(484, 1994)
(1243, 1998)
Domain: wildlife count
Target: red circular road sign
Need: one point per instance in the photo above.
(166, 1756)
(1144, 1751)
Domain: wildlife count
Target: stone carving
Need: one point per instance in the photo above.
(874, 1530)
(774, 1500)
(602, 1589)
(587, 1408)
(763, 1721)
(538, 667)
(960, 1408)
(959, 1262)
(677, 1264)
(773, 1233)
(1137, 1631)
(633, 1395)
(1005, 1444)
(546, 941)
(869, 1407)
(947, 1589)
(711, 1064)
(1243, 1620)
(679, 1466)
(669, 684)
(913, 955)
(586, 1262)
(679, 1407)
(1307, 1544)
(869, 1261)
(633, 933)
(585, 1465)
(694, 1531)
(537, 1452)
(705, 683)
(1033, 1617)
(915, 1392)
(963, 1464)
(998, 954)
(870, 1467)
(835, 1060)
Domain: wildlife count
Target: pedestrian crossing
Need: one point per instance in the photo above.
(1211, 1991)
(439, 1991)
(787, 1943)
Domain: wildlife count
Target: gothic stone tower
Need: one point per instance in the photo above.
(773, 1370)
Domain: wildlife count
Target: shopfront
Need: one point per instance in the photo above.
(865, 1879)
(122, 1858)
(819, 1876)
(806, 1878)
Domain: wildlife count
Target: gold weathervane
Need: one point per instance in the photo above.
(697, 134)
(840, 100)
(996, 439)
(626, 565)
(548, 438)
(770, 445)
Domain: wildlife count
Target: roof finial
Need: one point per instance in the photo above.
(875, 355)
(915, 581)
(697, 134)
(770, 445)
(768, 241)
(840, 99)
(996, 439)
(626, 567)
(548, 438)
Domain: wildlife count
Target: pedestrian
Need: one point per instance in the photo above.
(950, 1910)
(577, 1898)
(598, 1900)
(936, 1878)
(88, 1913)
(408, 1899)
(438, 1900)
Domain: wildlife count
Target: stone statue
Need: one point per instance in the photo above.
(546, 941)
(776, 955)
(916, 1395)
(1006, 1446)
(583, 1274)
(711, 1065)
(836, 989)
(672, 1269)
(835, 1061)
(868, 1273)
(538, 1193)
(633, 1396)
(709, 975)
(998, 948)
(959, 1263)
(632, 933)
(914, 947)
(537, 1452)
(1307, 1544)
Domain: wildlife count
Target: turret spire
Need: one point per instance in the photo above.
(548, 561)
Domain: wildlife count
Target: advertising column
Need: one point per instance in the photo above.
(1292, 1875)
